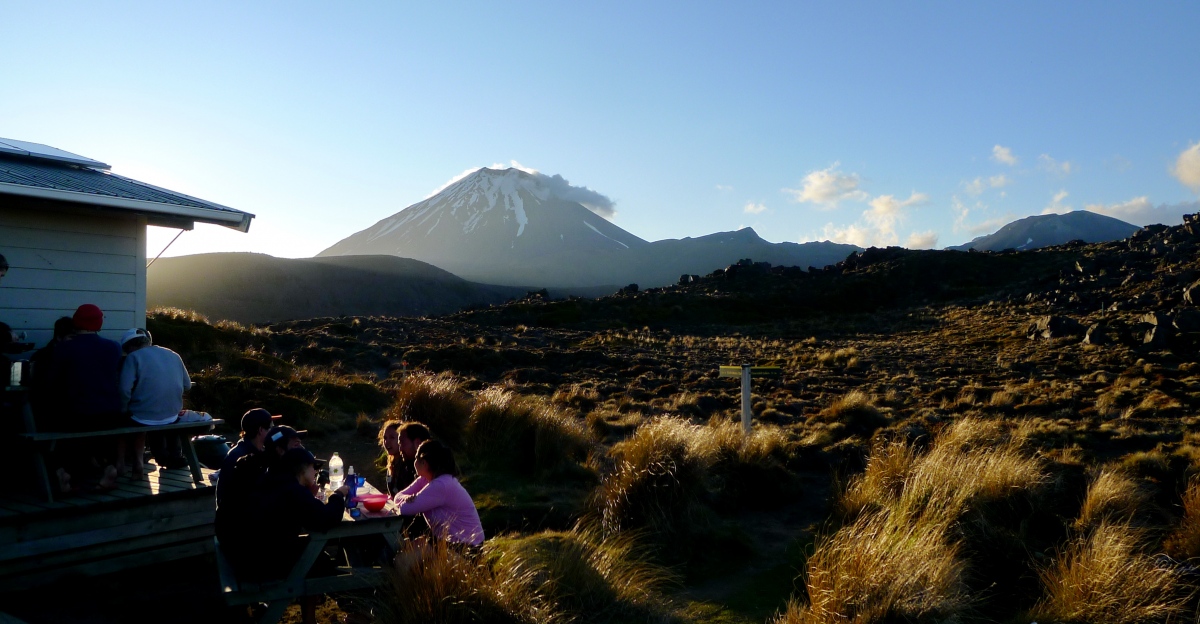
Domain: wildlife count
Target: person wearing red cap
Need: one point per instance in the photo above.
(86, 370)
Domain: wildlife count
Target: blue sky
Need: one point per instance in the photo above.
(866, 122)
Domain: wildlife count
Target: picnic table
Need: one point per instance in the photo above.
(279, 594)
(45, 441)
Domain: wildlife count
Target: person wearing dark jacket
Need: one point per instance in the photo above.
(86, 369)
(291, 509)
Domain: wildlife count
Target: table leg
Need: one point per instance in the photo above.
(43, 474)
(189, 453)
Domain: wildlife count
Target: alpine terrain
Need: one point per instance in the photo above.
(517, 228)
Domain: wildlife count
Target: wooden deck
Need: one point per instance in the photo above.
(160, 517)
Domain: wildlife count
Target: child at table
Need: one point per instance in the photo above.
(290, 510)
(440, 498)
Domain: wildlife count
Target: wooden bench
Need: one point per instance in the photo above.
(279, 594)
(45, 442)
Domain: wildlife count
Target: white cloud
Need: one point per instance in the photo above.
(1061, 169)
(753, 208)
(922, 240)
(1003, 155)
(1139, 211)
(977, 186)
(1187, 167)
(724, 187)
(878, 224)
(1057, 206)
(962, 215)
(828, 187)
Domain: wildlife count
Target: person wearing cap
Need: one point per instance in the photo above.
(291, 510)
(153, 381)
(256, 424)
(85, 375)
(400, 441)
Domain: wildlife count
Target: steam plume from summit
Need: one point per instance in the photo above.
(559, 187)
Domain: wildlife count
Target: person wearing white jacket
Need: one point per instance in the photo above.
(152, 383)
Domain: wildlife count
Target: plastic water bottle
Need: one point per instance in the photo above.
(352, 481)
(335, 471)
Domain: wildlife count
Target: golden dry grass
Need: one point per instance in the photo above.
(884, 569)
(435, 400)
(509, 432)
(1184, 541)
(1107, 577)
(1114, 497)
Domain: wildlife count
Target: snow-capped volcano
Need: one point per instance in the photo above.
(513, 227)
(489, 220)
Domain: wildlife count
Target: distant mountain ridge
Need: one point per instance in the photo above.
(510, 227)
(256, 288)
(1052, 229)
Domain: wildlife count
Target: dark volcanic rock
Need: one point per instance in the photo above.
(1047, 327)
(1097, 334)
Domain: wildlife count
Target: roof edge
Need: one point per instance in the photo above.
(236, 220)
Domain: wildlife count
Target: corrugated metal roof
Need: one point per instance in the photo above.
(62, 177)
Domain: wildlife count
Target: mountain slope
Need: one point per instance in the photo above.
(255, 288)
(516, 228)
(1052, 229)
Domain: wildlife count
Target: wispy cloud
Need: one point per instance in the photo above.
(753, 208)
(1187, 167)
(724, 187)
(1056, 205)
(1052, 166)
(828, 187)
(877, 227)
(963, 218)
(977, 186)
(1140, 211)
(1003, 155)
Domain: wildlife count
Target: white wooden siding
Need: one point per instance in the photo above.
(61, 260)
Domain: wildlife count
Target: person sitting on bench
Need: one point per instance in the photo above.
(290, 510)
(85, 376)
(256, 423)
(400, 441)
(152, 383)
(437, 495)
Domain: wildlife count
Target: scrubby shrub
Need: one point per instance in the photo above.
(507, 432)
(1106, 576)
(437, 401)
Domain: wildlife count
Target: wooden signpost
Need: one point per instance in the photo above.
(746, 371)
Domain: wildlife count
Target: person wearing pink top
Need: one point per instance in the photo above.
(437, 495)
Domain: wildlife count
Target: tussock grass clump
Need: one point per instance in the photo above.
(1184, 541)
(435, 400)
(589, 576)
(1107, 577)
(508, 432)
(912, 520)
(1114, 497)
(668, 473)
(881, 568)
(659, 483)
(856, 410)
(576, 395)
(433, 582)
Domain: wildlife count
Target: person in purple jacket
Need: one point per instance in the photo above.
(437, 495)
